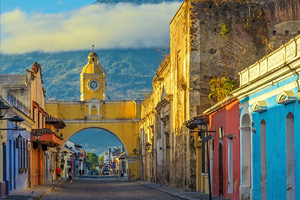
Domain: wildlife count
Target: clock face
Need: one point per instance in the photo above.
(93, 85)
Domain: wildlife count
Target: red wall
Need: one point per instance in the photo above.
(228, 119)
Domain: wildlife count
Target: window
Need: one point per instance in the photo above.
(263, 160)
(38, 119)
(290, 157)
(21, 144)
(230, 165)
(18, 142)
(23, 154)
(33, 114)
(94, 110)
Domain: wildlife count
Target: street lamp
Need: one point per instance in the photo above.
(37, 136)
(148, 146)
(16, 120)
(134, 151)
(203, 133)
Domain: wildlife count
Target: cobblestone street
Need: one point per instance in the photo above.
(105, 188)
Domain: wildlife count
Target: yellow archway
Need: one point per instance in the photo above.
(96, 128)
(121, 118)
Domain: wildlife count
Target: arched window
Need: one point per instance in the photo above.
(94, 110)
(290, 157)
(263, 160)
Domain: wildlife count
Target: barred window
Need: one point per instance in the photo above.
(18, 142)
(23, 154)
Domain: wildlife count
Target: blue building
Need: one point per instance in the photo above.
(269, 96)
(15, 144)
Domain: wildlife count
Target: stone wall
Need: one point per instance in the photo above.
(207, 39)
(229, 36)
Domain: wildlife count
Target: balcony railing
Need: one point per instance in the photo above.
(284, 54)
(17, 103)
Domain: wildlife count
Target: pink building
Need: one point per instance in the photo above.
(225, 166)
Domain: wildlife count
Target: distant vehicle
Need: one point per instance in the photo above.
(106, 170)
(95, 172)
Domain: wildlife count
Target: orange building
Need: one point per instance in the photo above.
(44, 148)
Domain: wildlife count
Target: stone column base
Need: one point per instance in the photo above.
(245, 192)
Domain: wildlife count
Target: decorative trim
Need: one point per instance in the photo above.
(259, 106)
(286, 97)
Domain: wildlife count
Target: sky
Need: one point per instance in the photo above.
(63, 25)
(96, 141)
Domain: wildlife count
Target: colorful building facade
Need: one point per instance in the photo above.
(269, 97)
(254, 154)
(225, 150)
(15, 144)
(44, 151)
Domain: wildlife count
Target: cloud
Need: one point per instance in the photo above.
(106, 26)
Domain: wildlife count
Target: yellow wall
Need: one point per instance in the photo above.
(118, 117)
(108, 110)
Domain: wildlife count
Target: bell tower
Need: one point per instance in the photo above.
(92, 80)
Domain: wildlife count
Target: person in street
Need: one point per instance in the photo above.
(70, 176)
(58, 172)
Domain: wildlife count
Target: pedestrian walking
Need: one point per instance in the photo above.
(58, 172)
(70, 176)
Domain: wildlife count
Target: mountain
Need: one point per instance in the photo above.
(96, 141)
(138, 2)
(129, 72)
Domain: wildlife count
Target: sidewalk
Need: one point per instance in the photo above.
(34, 193)
(178, 193)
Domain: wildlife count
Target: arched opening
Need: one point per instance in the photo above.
(94, 111)
(263, 160)
(221, 193)
(290, 157)
(245, 157)
(94, 152)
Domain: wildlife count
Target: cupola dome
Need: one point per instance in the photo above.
(92, 67)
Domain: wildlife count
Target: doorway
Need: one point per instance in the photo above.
(221, 193)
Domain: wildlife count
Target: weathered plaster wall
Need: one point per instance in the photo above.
(228, 119)
(227, 36)
(207, 39)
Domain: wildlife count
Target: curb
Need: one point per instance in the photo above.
(44, 193)
(48, 190)
(169, 193)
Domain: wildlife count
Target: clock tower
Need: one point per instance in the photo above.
(92, 80)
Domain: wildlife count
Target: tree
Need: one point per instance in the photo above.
(101, 159)
(92, 159)
(220, 88)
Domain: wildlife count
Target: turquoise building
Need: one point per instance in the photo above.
(269, 96)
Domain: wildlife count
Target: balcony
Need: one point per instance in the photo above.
(48, 137)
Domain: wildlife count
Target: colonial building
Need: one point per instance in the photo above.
(254, 154)
(43, 151)
(15, 144)
(207, 39)
(24, 94)
(269, 96)
(225, 148)
(120, 118)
